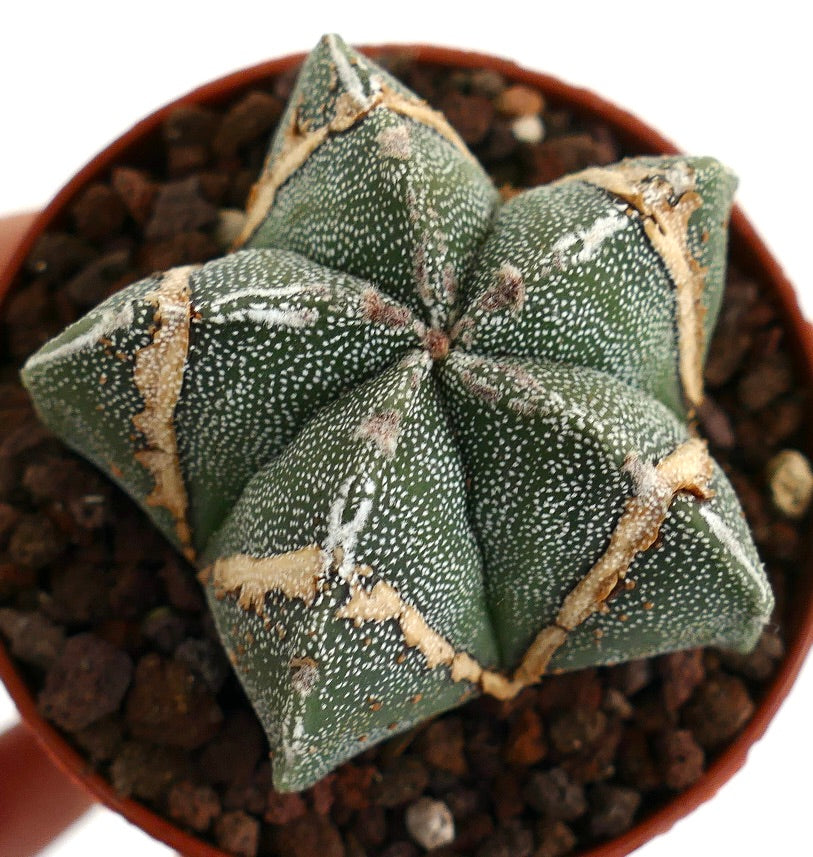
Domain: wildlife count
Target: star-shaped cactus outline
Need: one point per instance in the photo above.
(419, 443)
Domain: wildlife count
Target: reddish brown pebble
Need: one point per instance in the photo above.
(681, 673)
(509, 840)
(164, 629)
(720, 707)
(311, 835)
(147, 771)
(56, 255)
(193, 805)
(554, 839)
(519, 100)
(322, 795)
(183, 590)
(571, 730)
(238, 833)
(232, 754)
(188, 248)
(87, 681)
(136, 191)
(555, 796)
(179, 207)
(612, 810)
(98, 213)
(80, 592)
(249, 119)
(370, 826)
(526, 743)
(441, 745)
(282, 808)
(102, 739)
(352, 785)
(400, 849)
(100, 278)
(507, 795)
(716, 424)
(190, 124)
(553, 158)
(469, 115)
(169, 705)
(581, 688)
(631, 677)
(760, 664)
(35, 542)
(680, 758)
(765, 381)
(404, 780)
(635, 764)
(33, 637)
(135, 590)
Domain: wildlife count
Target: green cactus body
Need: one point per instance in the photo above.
(415, 440)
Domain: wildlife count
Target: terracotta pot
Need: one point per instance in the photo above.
(753, 259)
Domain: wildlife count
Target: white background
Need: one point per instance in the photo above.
(728, 80)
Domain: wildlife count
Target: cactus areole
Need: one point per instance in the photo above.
(421, 444)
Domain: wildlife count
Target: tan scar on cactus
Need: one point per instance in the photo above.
(158, 376)
(665, 199)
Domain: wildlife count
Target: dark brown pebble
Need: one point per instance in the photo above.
(765, 382)
(80, 590)
(635, 763)
(168, 705)
(403, 781)
(102, 739)
(232, 754)
(179, 207)
(571, 730)
(311, 835)
(554, 795)
(98, 213)
(760, 664)
(99, 279)
(484, 750)
(87, 681)
(720, 707)
(612, 809)
(206, 659)
(322, 796)
(249, 119)
(370, 826)
(136, 190)
(631, 677)
(399, 849)
(188, 248)
(679, 757)
(681, 673)
(238, 833)
(595, 762)
(135, 590)
(463, 802)
(183, 590)
(582, 689)
(508, 799)
(56, 256)
(284, 808)
(34, 638)
(554, 839)
(147, 771)
(164, 628)
(15, 578)
(57, 478)
(651, 714)
(510, 840)
(441, 744)
(9, 515)
(190, 124)
(193, 805)
(476, 830)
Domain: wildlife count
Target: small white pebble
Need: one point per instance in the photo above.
(528, 129)
(791, 481)
(430, 823)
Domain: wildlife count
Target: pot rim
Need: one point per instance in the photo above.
(746, 245)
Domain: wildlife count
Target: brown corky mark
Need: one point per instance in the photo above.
(300, 143)
(158, 376)
(665, 199)
(688, 469)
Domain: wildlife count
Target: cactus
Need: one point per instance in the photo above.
(422, 445)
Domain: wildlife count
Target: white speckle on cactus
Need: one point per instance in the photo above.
(417, 438)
